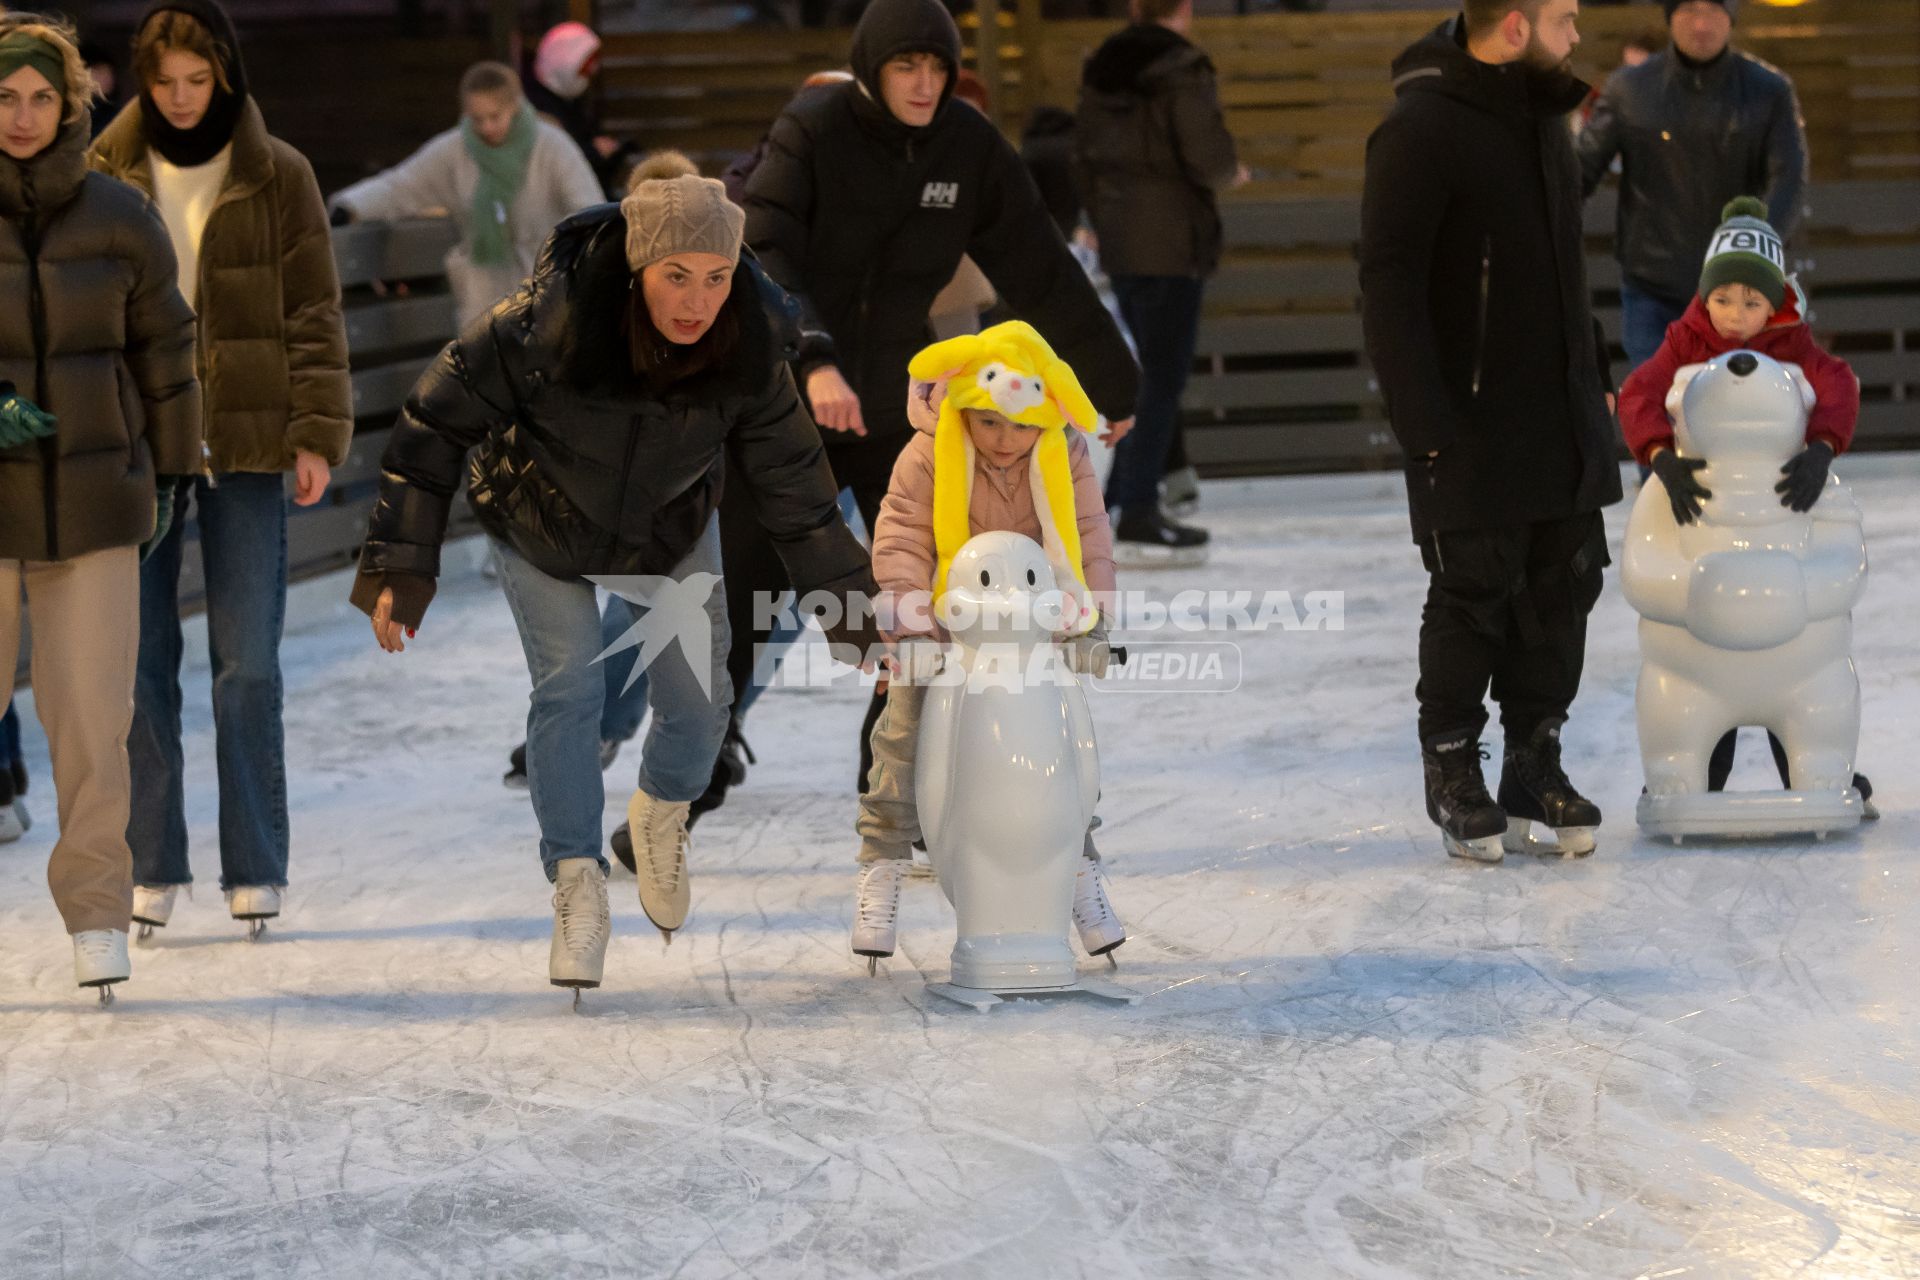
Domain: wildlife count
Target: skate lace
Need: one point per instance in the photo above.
(583, 919)
(1090, 904)
(1461, 782)
(879, 900)
(1541, 767)
(666, 845)
(95, 945)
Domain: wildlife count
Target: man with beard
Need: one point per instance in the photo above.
(1478, 321)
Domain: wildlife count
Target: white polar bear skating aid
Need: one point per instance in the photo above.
(1006, 776)
(1745, 614)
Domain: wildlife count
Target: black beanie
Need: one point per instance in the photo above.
(188, 148)
(1731, 6)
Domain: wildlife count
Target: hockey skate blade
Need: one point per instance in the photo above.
(1567, 842)
(1485, 849)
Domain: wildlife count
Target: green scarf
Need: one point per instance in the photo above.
(503, 171)
(19, 50)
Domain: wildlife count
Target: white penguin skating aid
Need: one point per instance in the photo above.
(1745, 613)
(1006, 779)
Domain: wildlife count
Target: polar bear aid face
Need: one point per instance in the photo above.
(1012, 391)
(1001, 588)
(1744, 404)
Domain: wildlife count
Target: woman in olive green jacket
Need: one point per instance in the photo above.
(256, 255)
(97, 395)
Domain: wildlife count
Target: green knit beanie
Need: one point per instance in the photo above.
(1745, 250)
(19, 49)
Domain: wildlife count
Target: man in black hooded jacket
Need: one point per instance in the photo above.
(1479, 324)
(867, 198)
(863, 208)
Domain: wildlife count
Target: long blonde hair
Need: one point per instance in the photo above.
(61, 36)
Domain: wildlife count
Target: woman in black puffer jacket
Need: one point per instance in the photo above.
(604, 398)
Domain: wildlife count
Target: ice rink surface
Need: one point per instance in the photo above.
(1357, 1058)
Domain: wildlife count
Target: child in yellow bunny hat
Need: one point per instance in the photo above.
(1000, 444)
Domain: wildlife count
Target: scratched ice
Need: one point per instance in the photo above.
(1356, 1059)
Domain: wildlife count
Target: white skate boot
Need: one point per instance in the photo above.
(100, 960)
(153, 907)
(1093, 913)
(658, 829)
(581, 925)
(256, 904)
(876, 909)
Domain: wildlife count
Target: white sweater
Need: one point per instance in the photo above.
(186, 198)
(440, 178)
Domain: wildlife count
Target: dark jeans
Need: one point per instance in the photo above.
(242, 519)
(1644, 318)
(1507, 607)
(1163, 314)
(10, 736)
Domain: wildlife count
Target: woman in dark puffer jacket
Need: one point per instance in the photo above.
(604, 398)
(97, 395)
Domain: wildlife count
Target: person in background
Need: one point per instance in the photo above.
(98, 401)
(1153, 153)
(256, 263)
(559, 84)
(106, 83)
(1693, 126)
(868, 198)
(505, 177)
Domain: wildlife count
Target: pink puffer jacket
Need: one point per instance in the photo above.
(904, 554)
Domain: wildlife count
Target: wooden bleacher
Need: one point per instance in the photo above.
(1282, 383)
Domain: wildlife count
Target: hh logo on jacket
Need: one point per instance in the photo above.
(940, 195)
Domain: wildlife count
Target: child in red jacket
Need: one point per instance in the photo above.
(1746, 303)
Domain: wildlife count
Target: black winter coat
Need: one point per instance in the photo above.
(579, 466)
(1152, 149)
(865, 220)
(1474, 294)
(1691, 138)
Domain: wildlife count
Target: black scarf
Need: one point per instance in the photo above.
(188, 148)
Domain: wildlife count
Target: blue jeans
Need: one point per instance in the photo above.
(626, 706)
(561, 631)
(243, 546)
(1644, 318)
(1163, 315)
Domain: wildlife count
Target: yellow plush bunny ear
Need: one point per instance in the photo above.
(944, 359)
(1063, 388)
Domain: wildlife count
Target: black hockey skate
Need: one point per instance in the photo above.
(1534, 788)
(1470, 823)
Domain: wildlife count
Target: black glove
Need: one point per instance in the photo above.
(1806, 476)
(21, 420)
(340, 217)
(1683, 491)
(164, 488)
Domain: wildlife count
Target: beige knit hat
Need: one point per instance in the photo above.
(671, 209)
